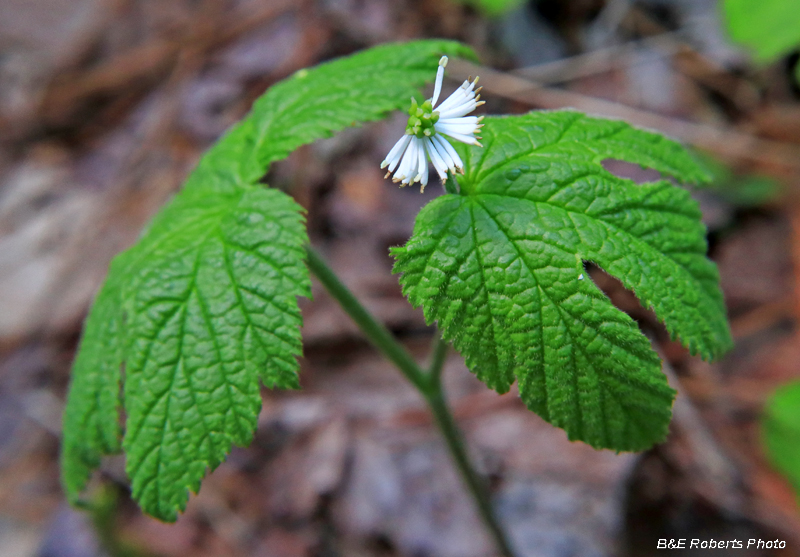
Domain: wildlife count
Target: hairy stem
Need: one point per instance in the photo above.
(428, 384)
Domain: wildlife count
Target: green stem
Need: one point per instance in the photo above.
(375, 331)
(439, 352)
(475, 484)
(428, 384)
(451, 185)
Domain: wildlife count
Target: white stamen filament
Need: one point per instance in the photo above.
(468, 139)
(437, 88)
(444, 145)
(449, 165)
(438, 163)
(447, 126)
(453, 100)
(458, 111)
(404, 169)
(422, 177)
(394, 155)
(471, 120)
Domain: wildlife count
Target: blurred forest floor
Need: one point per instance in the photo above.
(105, 105)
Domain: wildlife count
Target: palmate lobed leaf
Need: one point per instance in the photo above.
(205, 304)
(208, 317)
(500, 267)
(200, 309)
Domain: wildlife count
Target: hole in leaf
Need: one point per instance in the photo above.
(631, 171)
(625, 300)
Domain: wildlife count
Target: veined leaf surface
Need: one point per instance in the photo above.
(205, 304)
(500, 268)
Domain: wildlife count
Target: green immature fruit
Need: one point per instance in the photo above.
(421, 119)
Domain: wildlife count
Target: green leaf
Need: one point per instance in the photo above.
(781, 432)
(213, 310)
(770, 28)
(91, 419)
(205, 304)
(314, 103)
(208, 302)
(493, 7)
(500, 267)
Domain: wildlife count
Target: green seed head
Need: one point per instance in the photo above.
(421, 119)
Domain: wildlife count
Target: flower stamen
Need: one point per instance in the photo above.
(426, 126)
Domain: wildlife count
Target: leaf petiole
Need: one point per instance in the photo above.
(428, 384)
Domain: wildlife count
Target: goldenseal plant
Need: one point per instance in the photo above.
(426, 125)
(203, 307)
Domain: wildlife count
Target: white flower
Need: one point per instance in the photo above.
(408, 159)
